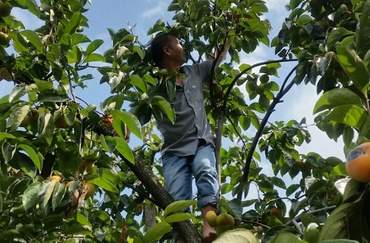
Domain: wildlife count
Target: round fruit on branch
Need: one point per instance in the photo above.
(211, 217)
(358, 163)
(225, 219)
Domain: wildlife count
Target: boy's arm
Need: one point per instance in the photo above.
(208, 67)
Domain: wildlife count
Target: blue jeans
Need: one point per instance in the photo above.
(178, 172)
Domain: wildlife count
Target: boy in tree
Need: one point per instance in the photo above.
(188, 148)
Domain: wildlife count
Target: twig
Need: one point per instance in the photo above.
(237, 132)
(71, 86)
(312, 212)
(256, 223)
(276, 100)
(298, 227)
(227, 94)
(192, 59)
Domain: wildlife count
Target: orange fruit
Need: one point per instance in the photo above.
(276, 212)
(358, 163)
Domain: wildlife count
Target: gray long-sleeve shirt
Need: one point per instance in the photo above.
(191, 123)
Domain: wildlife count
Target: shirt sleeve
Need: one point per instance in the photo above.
(204, 70)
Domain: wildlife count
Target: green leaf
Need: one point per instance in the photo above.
(336, 35)
(285, 237)
(139, 51)
(127, 118)
(19, 43)
(105, 184)
(362, 33)
(178, 217)
(17, 92)
(78, 38)
(34, 156)
(83, 220)
(33, 38)
(157, 232)
(30, 196)
(123, 148)
(58, 194)
(74, 55)
(244, 67)
(336, 97)
(30, 5)
(291, 189)
(94, 57)
(105, 179)
(93, 46)
(351, 115)
(53, 98)
(352, 64)
(339, 241)
(335, 225)
(17, 116)
(138, 82)
(178, 206)
(304, 19)
(73, 23)
(49, 191)
(164, 106)
(4, 135)
(278, 182)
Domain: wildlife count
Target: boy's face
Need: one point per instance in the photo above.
(174, 51)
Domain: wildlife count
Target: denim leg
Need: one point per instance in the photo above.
(205, 173)
(177, 176)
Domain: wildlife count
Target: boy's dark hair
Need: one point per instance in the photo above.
(157, 45)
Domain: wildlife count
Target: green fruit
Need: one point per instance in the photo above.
(311, 234)
(225, 219)
(211, 218)
(5, 9)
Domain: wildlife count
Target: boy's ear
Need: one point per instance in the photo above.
(166, 50)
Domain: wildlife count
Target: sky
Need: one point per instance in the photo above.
(142, 14)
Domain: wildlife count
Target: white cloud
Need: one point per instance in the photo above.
(159, 9)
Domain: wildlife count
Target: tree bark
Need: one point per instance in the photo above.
(186, 229)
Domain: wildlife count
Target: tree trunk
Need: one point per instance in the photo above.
(162, 198)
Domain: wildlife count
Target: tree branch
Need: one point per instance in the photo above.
(237, 132)
(312, 212)
(160, 196)
(227, 94)
(256, 138)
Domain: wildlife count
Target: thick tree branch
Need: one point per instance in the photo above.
(220, 123)
(161, 197)
(256, 138)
